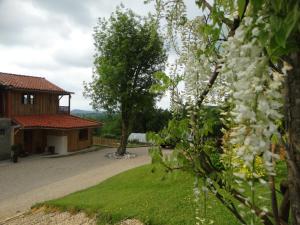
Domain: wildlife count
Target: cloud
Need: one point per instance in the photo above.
(76, 11)
(73, 54)
(23, 24)
(75, 58)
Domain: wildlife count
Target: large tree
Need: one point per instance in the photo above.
(129, 51)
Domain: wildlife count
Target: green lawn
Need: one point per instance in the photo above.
(137, 145)
(151, 196)
(148, 194)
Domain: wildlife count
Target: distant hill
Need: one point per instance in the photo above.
(80, 111)
(89, 114)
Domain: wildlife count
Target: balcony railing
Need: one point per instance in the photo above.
(64, 109)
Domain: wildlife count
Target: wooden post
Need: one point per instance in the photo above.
(8, 104)
(69, 104)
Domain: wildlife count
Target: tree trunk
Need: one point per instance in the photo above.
(284, 211)
(123, 142)
(293, 130)
(125, 130)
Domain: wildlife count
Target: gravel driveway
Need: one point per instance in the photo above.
(37, 179)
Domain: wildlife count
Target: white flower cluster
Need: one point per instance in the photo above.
(197, 73)
(255, 95)
(201, 217)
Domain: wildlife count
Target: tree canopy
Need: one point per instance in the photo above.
(129, 51)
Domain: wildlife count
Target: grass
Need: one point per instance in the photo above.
(146, 193)
(137, 145)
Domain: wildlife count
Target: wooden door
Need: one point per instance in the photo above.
(28, 145)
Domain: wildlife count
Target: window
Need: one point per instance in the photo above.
(31, 99)
(25, 99)
(2, 132)
(83, 134)
(28, 99)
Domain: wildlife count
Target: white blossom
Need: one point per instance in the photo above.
(256, 97)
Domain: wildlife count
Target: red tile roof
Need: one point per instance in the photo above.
(23, 82)
(56, 121)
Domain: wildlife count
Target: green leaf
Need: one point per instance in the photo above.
(264, 37)
(165, 82)
(275, 23)
(280, 38)
(156, 155)
(241, 7)
(200, 4)
(291, 21)
(257, 5)
(274, 139)
(276, 4)
(286, 26)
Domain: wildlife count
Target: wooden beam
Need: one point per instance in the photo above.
(8, 104)
(69, 104)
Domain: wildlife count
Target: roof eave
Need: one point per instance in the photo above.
(37, 90)
(58, 128)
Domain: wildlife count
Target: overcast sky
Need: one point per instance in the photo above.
(53, 39)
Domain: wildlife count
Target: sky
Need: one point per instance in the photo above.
(53, 39)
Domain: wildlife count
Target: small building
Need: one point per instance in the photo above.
(31, 116)
(139, 137)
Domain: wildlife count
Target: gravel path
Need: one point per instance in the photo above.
(42, 216)
(39, 179)
(131, 222)
(51, 218)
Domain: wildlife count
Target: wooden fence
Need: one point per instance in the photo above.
(106, 142)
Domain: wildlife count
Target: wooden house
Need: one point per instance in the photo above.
(38, 121)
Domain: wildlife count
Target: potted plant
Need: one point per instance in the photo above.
(15, 151)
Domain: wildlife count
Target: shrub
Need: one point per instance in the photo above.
(259, 169)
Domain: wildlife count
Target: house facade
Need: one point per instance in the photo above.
(31, 116)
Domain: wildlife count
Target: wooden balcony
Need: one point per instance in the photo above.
(64, 109)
